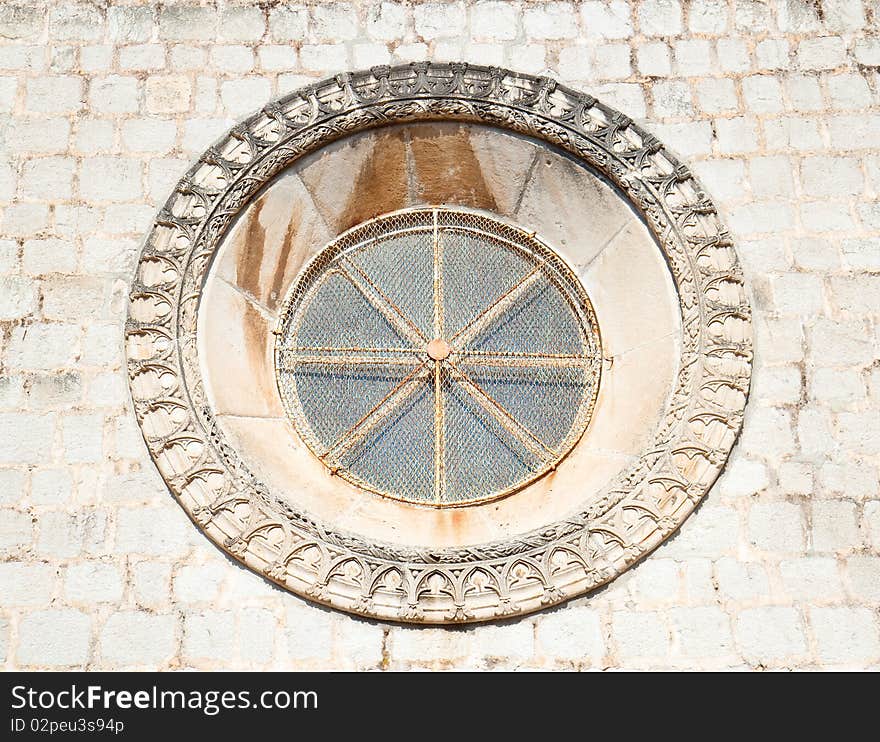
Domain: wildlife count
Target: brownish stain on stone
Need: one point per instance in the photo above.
(250, 257)
(255, 335)
(381, 184)
(459, 522)
(452, 524)
(447, 170)
(281, 267)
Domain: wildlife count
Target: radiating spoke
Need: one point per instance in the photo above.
(533, 444)
(373, 294)
(524, 360)
(495, 310)
(439, 432)
(379, 412)
(291, 358)
(439, 426)
(438, 280)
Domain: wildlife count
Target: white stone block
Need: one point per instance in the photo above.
(551, 20)
(656, 580)
(736, 135)
(702, 633)
(257, 634)
(671, 99)
(741, 581)
(572, 634)
(82, 436)
(652, 58)
(78, 21)
(659, 17)
(138, 638)
(811, 578)
(168, 94)
(821, 53)
(26, 584)
(278, 57)
(110, 179)
(743, 478)
(51, 486)
(717, 95)
(323, 57)
(18, 297)
(708, 17)
(863, 577)
(58, 637)
(25, 437)
(288, 23)
(607, 20)
(13, 482)
(142, 57)
(733, 55)
(772, 54)
(93, 582)
(846, 635)
(130, 24)
(242, 24)
(358, 643)
(777, 527)
(639, 635)
(150, 582)
(309, 631)
(773, 635)
(232, 58)
(835, 526)
(156, 531)
(187, 23)
(693, 58)
(16, 530)
(65, 535)
(198, 583)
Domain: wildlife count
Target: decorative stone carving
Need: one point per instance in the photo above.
(567, 557)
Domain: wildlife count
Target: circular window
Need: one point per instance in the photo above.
(364, 347)
(438, 356)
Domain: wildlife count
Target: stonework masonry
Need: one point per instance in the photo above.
(775, 105)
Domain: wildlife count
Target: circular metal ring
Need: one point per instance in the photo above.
(438, 356)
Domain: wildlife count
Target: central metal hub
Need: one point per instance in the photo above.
(452, 428)
(438, 349)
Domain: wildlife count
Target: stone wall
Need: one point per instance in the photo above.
(774, 104)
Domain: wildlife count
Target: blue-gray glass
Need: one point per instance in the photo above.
(439, 357)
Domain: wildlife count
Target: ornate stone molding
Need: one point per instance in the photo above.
(567, 558)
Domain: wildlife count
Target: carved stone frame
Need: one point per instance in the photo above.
(643, 506)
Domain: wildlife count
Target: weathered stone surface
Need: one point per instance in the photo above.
(771, 107)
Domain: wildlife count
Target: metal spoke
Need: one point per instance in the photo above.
(524, 360)
(533, 444)
(467, 333)
(438, 280)
(379, 412)
(346, 349)
(439, 432)
(439, 426)
(373, 294)
(290, 358)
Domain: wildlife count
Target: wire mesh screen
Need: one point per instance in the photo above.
(438, 356)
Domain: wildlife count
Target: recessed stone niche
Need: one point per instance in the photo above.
(573, 208)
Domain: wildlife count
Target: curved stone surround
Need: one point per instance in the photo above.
(524, 571)
(522, 180)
